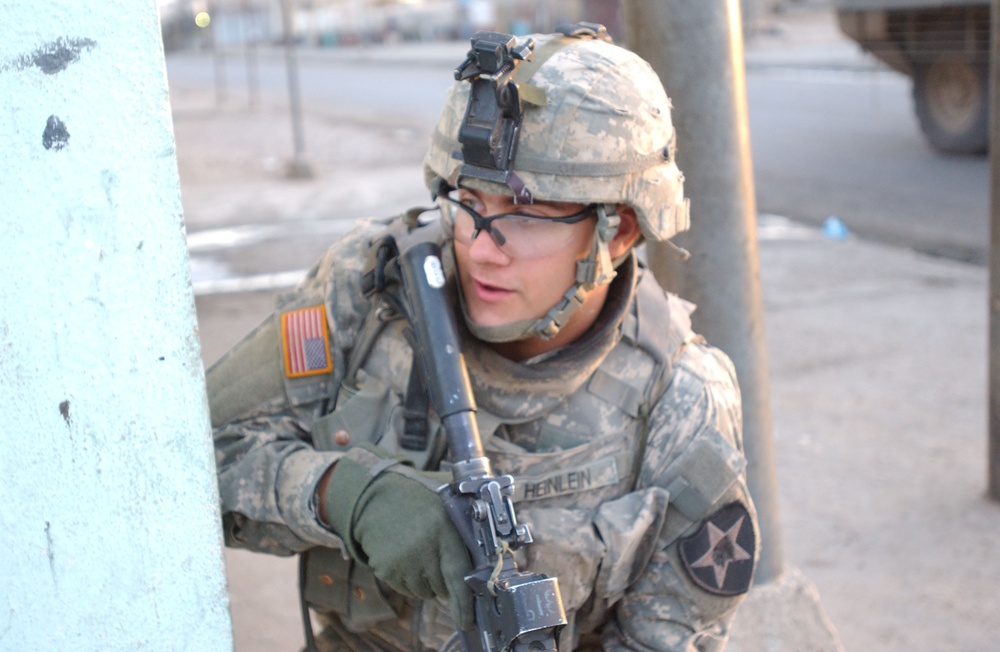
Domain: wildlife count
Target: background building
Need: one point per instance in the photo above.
(331, 23)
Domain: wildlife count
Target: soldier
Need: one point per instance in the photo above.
(552, 161)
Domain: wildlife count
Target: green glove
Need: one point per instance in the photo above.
(398, 527)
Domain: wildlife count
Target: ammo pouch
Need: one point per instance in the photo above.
(367, 414)
(331, 583)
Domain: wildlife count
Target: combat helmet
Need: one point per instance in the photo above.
(565, 117)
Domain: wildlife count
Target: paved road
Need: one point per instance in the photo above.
(846, 143)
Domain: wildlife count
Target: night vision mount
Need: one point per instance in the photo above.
(492, 122)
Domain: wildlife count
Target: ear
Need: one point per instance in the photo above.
(628, 231)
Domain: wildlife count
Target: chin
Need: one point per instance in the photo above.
(490, 320)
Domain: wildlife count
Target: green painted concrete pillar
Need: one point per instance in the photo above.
(109, 523)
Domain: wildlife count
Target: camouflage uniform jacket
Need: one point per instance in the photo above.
(625, 447)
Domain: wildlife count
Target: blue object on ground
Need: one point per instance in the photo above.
(834, 229)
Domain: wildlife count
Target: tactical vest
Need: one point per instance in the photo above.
(572, 439)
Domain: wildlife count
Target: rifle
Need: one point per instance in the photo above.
(514, 610)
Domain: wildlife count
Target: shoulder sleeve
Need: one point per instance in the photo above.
(705, 553)
(297, 354)
(265, 393)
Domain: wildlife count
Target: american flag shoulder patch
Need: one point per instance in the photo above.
(305, 342)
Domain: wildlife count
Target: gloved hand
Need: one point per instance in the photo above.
(398, 527)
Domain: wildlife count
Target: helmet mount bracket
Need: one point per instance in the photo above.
(488, 133)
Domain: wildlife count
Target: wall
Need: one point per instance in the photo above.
(108, 506)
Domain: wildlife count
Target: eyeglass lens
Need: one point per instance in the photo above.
(517, 234)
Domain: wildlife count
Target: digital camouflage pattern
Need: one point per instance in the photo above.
(602, 134)
(625, 445)
(621, 445)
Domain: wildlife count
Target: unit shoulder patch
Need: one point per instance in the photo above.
(719, 557)
(305, 342)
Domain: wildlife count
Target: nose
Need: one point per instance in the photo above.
(483, 249)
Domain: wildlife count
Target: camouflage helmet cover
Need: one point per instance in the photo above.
(600, 134)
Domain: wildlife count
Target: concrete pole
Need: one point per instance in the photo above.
(248, 19)
(993, 454)
(218, 56)
(298, 167)
(109, 518)
(697, 50)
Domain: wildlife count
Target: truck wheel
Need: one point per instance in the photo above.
(952, 104)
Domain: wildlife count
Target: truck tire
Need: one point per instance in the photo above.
(952, 104)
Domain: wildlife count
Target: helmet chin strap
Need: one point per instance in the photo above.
(596, 269)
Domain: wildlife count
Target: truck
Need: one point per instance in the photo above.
(944, 47)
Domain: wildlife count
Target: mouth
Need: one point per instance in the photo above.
(489, 292)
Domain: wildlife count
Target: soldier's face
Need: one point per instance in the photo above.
(501, 288)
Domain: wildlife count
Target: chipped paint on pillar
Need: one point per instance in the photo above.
(109, 521)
